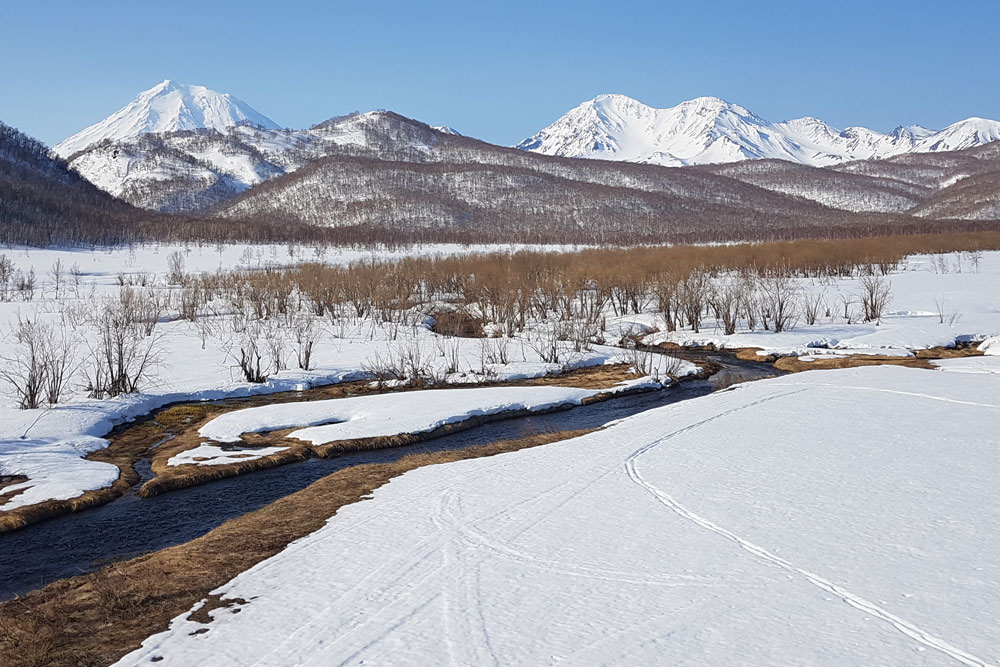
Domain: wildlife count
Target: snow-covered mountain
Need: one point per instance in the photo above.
(186, 170)
(167, 107)
(708, 130)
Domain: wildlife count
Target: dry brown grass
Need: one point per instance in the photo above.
(97, 618)
(948, 352)
(796, 365)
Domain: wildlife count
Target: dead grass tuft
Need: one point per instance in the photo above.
(796, 365)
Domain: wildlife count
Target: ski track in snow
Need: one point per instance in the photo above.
(854, 600)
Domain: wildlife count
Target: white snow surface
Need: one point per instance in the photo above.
(167, 107)
(708, 130)
(829, 518)
(394, 414)
(213, 455)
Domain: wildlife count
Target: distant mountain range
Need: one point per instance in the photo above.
(381, 175)
(708, 130)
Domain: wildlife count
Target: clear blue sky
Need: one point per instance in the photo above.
(501, 71)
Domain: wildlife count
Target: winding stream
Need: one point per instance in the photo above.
(129, 526)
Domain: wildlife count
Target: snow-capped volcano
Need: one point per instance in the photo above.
(709, 130)
(168, 107)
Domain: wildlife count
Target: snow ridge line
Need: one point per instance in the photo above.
(856, 601)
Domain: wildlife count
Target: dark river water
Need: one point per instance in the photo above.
(129, 526)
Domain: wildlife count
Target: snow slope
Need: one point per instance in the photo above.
(167, 107)
(709, 130)
(860, 531)
(177, 171)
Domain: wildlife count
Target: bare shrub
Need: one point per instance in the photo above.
(813, 306)
(876, 292)
(25, 370)
(6, 277)
(123, 356)
(725, 298)
(57, 273)
(405, 364)
(779, 299)
(649, 363)
(544, 340)
(60, 363)
(24, 283)
(305, 339)
(496, 350)
(175, 268)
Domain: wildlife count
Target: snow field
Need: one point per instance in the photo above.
(843, 517)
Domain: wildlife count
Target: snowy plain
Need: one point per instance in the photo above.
(47, 445)
(828, 518)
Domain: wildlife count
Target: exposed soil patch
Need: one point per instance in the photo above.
(97, 618)
(457, 323)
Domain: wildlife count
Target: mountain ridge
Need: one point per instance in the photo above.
(710, 130)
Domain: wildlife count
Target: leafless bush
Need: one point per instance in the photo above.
(24, 283)
(123, 356)
(190, 300)
(60, 363)
(449, 348)
(150, 307)
(495, 350)
(649, 363)
(693, 295)
(847, 302)
(876, 292)
(975, 257)
(778, 298)
(276, 345)
(57, 273)
(544, 340)
(725, 297)
(813, 306)
(405, 363)
(175, 268)
(6, 277)
(305, 339)
(25, 370)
